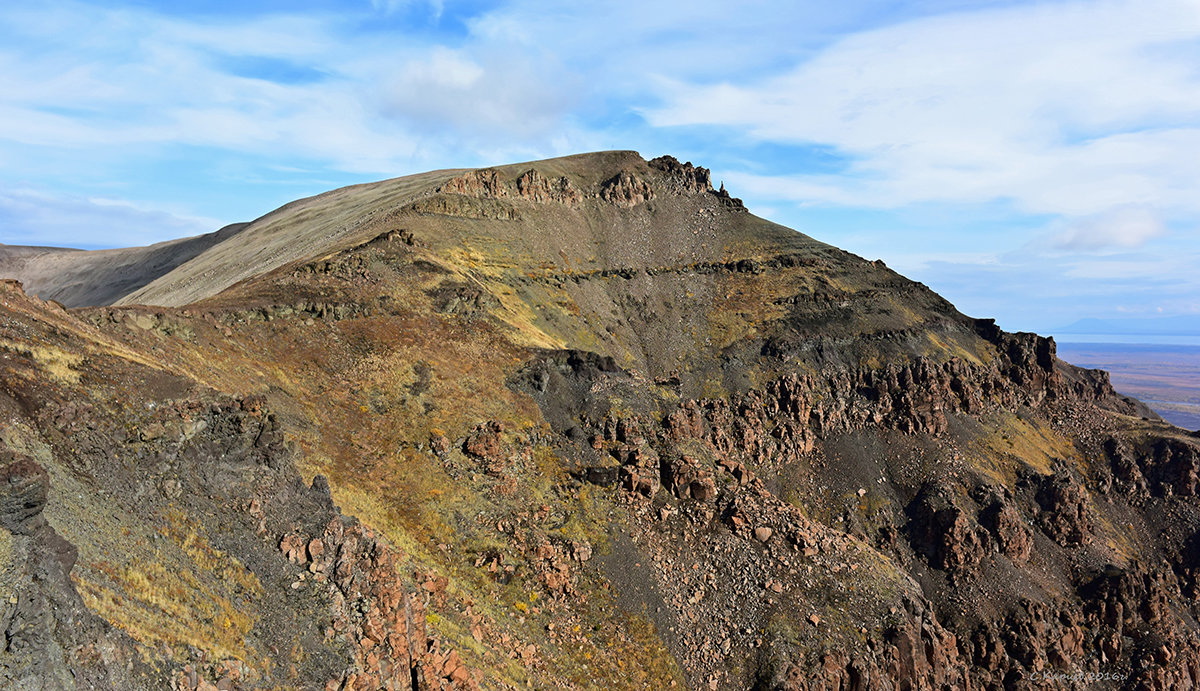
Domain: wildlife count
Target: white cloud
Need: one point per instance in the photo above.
(382, 106)
(625, 44)
(496, 97)
(1066, 108)
(32, 217)
(144, 79)
(1119, 228)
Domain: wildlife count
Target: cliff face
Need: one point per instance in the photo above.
(567, 424)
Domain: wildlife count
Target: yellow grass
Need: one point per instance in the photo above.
(1011, 442)
(58, 363)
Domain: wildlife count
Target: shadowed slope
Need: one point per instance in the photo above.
(78, 278)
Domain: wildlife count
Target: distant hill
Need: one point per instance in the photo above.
(1183, 325)
(78, 278)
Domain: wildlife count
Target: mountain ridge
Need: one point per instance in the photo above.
(1181, 325)
(88, 278)
(577, 423)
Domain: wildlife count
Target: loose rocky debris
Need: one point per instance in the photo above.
(50, 638)
(373, 611)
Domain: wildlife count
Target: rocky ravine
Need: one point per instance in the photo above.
(569, 424)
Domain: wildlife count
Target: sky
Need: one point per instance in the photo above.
(1036, 162)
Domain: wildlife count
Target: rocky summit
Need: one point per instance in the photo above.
(572, 424)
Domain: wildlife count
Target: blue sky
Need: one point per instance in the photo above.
(1032, 161)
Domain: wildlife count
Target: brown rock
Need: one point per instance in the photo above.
(460, 675)
(438, 443)
(581, 551)
(477, 183)
(316, 548)
(626, 189)
(1014, 538)
(293, 548)
(703, 488)
(535, 187)
(485, 442)
(944, 532)
(1064, 502)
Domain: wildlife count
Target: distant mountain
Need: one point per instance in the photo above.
(1183, 325)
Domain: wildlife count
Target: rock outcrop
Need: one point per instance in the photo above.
(626, 189)
(372, 610)
(683, 178)
(50, 638)
(535, 187)
(530, 185)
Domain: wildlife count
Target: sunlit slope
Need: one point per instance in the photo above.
(639, 260)
(295, 231)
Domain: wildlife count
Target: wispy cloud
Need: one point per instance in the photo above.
(1120, 228)
(32, 217)
(151, 80)
(495, 97)
(1066, 108)
(436, 7)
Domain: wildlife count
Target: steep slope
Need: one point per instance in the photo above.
(596, 426)
(79, 278)
(294, 232)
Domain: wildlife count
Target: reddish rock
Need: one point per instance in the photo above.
(439, 444)
(316, 549)
(1013, 536)
(535, 187)
(945, 532)
(1064, 502)
(477, 183)
(626, 189)
(293, 548)
(703, 488)
(484, 441)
